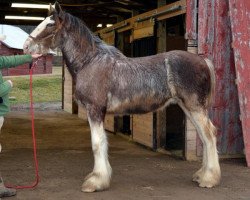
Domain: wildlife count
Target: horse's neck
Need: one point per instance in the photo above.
(76, 56)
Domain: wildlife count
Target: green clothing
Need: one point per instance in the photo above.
(5, 87)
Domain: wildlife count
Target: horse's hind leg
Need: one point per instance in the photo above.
(99, 179)
(209, 174)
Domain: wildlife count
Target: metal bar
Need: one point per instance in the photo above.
(171, 9)
(117, 27)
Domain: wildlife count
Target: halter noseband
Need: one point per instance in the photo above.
(53, 34)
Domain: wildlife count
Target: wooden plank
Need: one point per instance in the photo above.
(143, 29)
(109, 37)
(109, 123)
(174, 14)
(143, 32)
(143, 129)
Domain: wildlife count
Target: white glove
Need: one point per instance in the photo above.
(11, 83)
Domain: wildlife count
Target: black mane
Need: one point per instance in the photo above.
(83, 34)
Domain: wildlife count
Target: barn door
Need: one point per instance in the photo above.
(240, 23)
(215, 40)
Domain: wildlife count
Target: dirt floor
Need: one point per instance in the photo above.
(65, 157)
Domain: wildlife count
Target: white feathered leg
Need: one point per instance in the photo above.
(100, 178)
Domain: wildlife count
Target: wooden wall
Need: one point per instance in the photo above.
(82, 113)
(143, 129)
(109, 123)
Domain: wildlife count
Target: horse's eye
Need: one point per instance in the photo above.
(50, 25)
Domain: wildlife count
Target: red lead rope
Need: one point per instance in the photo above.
(35, 183)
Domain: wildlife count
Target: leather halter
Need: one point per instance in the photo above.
(53, 34)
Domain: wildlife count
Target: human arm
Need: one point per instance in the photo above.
(12, 61)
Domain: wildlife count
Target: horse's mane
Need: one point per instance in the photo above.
(83, 34)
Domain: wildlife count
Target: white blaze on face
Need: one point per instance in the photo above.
(40, 28)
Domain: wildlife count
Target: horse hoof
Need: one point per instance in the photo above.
(206, 184)
(88, 187)
(95, 182)
(209, 179)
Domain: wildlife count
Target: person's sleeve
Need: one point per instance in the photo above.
(13, 61)
(5, 88)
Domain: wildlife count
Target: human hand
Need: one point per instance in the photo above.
(36, 55)
(11, 83)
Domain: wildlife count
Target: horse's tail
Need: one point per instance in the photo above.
(212, 81)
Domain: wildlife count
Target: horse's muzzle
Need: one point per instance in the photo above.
(26, 46)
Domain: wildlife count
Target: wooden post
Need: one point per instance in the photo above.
(161, 31)
(191, 36)
(69, 104)
(134, 13)
(161, 115)
(119, 38)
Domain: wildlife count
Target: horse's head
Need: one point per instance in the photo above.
(46, 35)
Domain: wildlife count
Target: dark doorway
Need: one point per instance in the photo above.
(174, 141)
(175, 129)
(175, 29)
(144, 47)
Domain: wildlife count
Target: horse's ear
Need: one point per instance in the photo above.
(51, 10)
(58, 8)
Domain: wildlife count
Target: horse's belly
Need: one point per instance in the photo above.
(139, 104)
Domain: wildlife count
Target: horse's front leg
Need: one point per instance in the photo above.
(99, 178)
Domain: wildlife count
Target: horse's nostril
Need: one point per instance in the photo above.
(25, 48)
